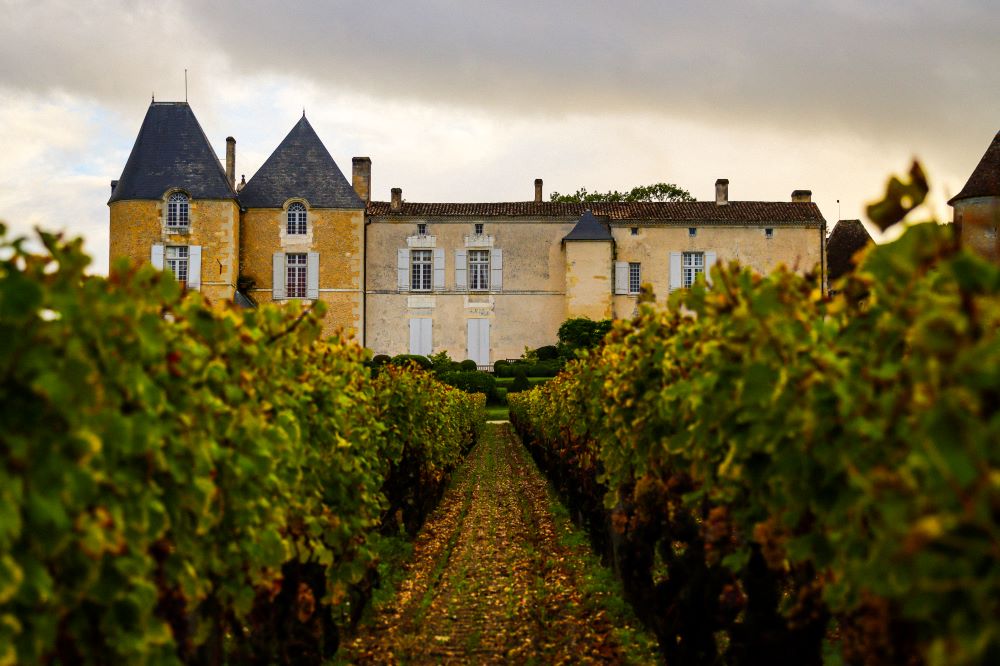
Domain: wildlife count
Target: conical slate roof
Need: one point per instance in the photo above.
(985, 180)
(172, 151)
(847, 237)
(588, 228)
(302, 167)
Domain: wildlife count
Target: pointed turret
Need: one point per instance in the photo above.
(589, 228)
(985, 180)
(977, 206)
(171, 151)
(300, 167)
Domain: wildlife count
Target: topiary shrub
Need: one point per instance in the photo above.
(472, 382)
(547, 353)
(520, 382)
(406, 359)
(499, 368)
(468, 365)
(380, 359)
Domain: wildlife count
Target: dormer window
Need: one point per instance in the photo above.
(178, 211)
(296, 219)
(479, 229)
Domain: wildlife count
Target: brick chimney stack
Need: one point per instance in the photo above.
(722, 192)
(396, 204)
(231, 161)
(538, 190)
(802, 196)
(361, 178)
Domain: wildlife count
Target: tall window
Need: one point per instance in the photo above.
(693, 265)
(421, 266)
(479, 270)
(634, 277)
(296, 219)
(295, 275)
(176, 260)
(177, 211)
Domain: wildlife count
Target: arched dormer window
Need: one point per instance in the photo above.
(296, 219)
(178, 208)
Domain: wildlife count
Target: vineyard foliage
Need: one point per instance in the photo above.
(168, 469)
(791, 477)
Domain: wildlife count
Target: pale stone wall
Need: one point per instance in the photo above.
(589, 279)
(336, 234)
(979, 221)
(214, 225)
(527, 312)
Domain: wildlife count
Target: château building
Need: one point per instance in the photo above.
(478, 280)
(977, 205)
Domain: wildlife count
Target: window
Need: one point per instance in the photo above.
(634, 278)
(421, 267)
(634, 231)
(295, 275)
(479, 229)
(479, 270)
(692, 232)
(177, 261)
(177, 211)
(296, 219)
(421, 229)
(693, 265)
(769, 233)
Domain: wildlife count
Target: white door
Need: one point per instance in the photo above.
(479, 340)
(420, 336)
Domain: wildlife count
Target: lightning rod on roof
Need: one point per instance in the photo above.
(185, 85)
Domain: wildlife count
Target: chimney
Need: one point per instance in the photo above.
(361, 178)
(538, 190)
(396, 204)
(231, 161)
(722, 192)
(114, 184)
(243, 183)
(802, 196)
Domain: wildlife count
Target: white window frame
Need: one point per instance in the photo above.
(178, 211)
(176, 260)
(421, 270)
(692, 265)
(634, 277)
(421, 229)
(479, 270)
(296, 220)
(477, 229)
(296, 275)
(692, 232)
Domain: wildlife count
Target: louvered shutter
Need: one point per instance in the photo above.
(278, 276)
(312, 275)
(676, 279)
(461, 270)
(710, 259)
(194, 267)
(156, 256)
(621, 277)
(438, 269)
(496, 270)
(403, 270)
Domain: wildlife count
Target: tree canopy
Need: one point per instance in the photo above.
(654, 192)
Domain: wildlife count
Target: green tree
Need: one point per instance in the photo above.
(654, 192)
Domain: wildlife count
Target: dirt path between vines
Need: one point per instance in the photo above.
(492, 577)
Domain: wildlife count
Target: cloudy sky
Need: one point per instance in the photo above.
(471, 101)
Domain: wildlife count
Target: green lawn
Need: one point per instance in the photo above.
(504, 382)
(497, 413)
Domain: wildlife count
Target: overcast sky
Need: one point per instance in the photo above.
(471, 101)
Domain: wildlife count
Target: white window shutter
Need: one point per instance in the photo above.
(278, 276)
(156, 257)
(194, 267)
(426, 336)
(484, 343)
(312, 275)
(438, 269)
(676, 279)
(414, 336)
(472, 326)
(621, 277)
(461, 271)
(403, 269)
(496, 270)
(710, 258)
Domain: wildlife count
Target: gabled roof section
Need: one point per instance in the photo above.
(985, 180)
(300, 167)
(847, 237)
(755, 213)
(172, 151)
(588, 228)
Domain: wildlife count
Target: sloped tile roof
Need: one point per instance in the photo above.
(758, 213)
(985, 180)
(300, 166)
(589, 228)
(170, 151)
(847, 238)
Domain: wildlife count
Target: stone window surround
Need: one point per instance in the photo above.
(175, 229)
